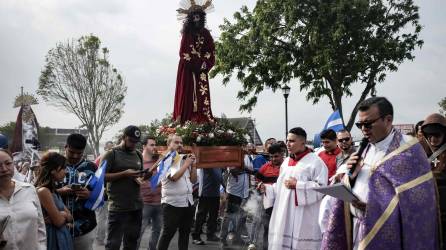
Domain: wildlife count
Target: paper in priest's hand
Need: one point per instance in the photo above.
(339, 191)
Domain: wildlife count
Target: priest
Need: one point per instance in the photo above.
(397, 207)
(294, 220)
(192, 97)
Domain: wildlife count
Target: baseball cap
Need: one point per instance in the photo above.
(133, 132)
(3, 142)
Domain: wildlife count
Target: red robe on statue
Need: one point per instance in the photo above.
(192, 98)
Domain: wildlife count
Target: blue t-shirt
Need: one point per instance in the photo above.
(258, 162)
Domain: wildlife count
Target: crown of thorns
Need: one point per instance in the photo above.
(190, 6)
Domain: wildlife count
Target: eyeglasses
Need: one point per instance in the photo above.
(369, 124)
(344, 139)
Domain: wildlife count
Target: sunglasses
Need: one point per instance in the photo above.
(429, 135)
(344, 139)
(369, 124)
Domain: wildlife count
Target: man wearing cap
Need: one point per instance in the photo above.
(434, 132)
(124, 165)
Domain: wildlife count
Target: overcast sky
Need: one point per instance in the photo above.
(143, 38)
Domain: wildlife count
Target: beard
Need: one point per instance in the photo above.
(197, 26)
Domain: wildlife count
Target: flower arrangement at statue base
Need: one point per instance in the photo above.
(217, 144)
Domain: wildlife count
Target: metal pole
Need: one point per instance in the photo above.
(286, 117)
(286, 120)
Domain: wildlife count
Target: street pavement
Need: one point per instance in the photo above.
(210, 245)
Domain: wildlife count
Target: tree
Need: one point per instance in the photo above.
(7, 130)
(326, 45)
(79, 79)
(442, 105)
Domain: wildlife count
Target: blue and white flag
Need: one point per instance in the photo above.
(334, 122)
(163, 168)
(96, 199)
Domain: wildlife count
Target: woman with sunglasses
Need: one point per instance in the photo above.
(57, 216)
(434, 131)
(21, 219)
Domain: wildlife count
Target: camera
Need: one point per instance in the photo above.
(34, 142)
(187, 156)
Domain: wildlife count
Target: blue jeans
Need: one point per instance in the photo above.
(232, 214)
(123, 226)
(101, 218)
(152, 215)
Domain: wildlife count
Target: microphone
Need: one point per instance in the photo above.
(362, 147)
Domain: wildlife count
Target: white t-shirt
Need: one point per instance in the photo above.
(177, 193)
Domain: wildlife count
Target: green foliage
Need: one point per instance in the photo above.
(220, 133)
(7, 130)
(442, 105)
(326, 45)
(79, 79)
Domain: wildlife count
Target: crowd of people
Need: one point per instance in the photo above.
(271, 202)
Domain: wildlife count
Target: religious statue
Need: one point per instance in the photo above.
(192, 97)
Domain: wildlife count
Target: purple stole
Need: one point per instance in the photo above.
(401, 210)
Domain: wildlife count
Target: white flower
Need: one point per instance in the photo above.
(230, 132)
(211, 135)
(199, 138)
(220, 131)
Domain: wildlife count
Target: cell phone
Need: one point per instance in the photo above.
(76, 186)
(144, 171)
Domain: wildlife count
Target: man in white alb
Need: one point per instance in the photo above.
(294, 220)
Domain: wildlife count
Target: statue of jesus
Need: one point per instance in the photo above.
(197, 57)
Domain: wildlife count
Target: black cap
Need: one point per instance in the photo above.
(133, 132)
